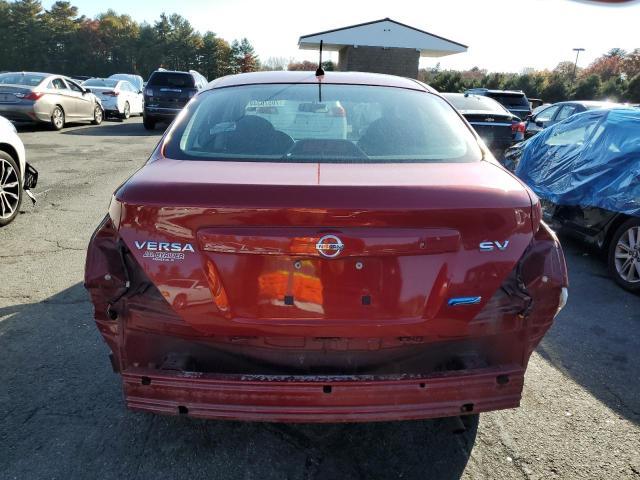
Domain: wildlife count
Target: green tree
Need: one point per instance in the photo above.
(587, 88)
(633, 89)
(6, 33)
(60, 25)
(29, 43)
(555, 89)
(215, 57)
(613, 89)
(244, 56)
(147, 51)
(328, 66)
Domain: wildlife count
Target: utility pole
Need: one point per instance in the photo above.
(575, 65)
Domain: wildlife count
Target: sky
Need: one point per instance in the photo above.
(502, 35)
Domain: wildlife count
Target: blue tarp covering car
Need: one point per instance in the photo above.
(590, 159)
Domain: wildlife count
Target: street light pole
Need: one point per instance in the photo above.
(575, 65)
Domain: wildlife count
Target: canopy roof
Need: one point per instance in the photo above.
(382, 33)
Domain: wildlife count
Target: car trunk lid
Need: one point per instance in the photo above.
(327, 245)
(13, 94)
(493, 128)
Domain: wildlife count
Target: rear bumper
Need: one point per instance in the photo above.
(161, 113)
(17, 112)
(323, 399)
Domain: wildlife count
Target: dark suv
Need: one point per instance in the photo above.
(167, 92)
(513, 100)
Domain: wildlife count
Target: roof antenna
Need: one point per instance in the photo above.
(320, 71)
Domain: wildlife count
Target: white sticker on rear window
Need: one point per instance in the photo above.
(266, 103)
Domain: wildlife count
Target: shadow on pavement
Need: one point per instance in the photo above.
(130, 128)
(596, 339)
(109, 128)
(62, 416)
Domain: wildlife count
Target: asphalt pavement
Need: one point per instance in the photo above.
(61, 409)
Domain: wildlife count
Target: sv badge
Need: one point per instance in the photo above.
(493, 245)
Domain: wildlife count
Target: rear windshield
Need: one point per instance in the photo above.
(28, 79)
(96, 82)
(511, 100)
(474, 102)
(332, 123)
(133, 79)
(171, 79)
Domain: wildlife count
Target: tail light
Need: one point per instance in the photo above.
(30, 96)
(518, 127)
(111, 93)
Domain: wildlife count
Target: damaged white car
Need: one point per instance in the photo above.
(17, 177)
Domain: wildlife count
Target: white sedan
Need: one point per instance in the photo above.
(119, 97)
(16, 175)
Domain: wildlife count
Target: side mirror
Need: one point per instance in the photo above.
(87, 90)
(539, 123)
(139, 91)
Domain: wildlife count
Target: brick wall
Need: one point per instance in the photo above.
(395, 61)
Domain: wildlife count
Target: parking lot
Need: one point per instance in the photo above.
(61, 409)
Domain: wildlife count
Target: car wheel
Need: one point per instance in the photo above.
(57, 118)
(10, 189)
(148, 123)
(98, 115)
(180, 301)
(624, 255)
(127, 111)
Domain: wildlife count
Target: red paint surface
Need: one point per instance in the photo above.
(411, 234)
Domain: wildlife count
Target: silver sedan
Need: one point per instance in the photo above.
(43, 97)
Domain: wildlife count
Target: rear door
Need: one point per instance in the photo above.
(65, 98)
(83, 101)
(134, 97)
(565, 112)
(541, 120)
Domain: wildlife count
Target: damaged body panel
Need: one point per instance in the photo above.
(323, 292)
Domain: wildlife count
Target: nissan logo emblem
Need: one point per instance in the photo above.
(329, 246)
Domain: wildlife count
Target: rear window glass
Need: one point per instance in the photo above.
(171, 79)
(511, 100)
(96, 82)
(337, 123)
(21, 79)
(474, 102)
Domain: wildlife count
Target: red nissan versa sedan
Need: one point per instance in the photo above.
(323, 249)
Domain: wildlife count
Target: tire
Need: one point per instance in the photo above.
(57, 118)
(624, 255)
(10, 189)
(127, 111)
(180, 301)
(98, 115)
(148, 123)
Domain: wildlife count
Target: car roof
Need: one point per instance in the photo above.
(466, 95)
(344, 78)
(164, 70)
(35, 73)
(490, 90)
(592, 103)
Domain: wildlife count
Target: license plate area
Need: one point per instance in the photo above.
(276, 288)
(283, 273)
(8, 98)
